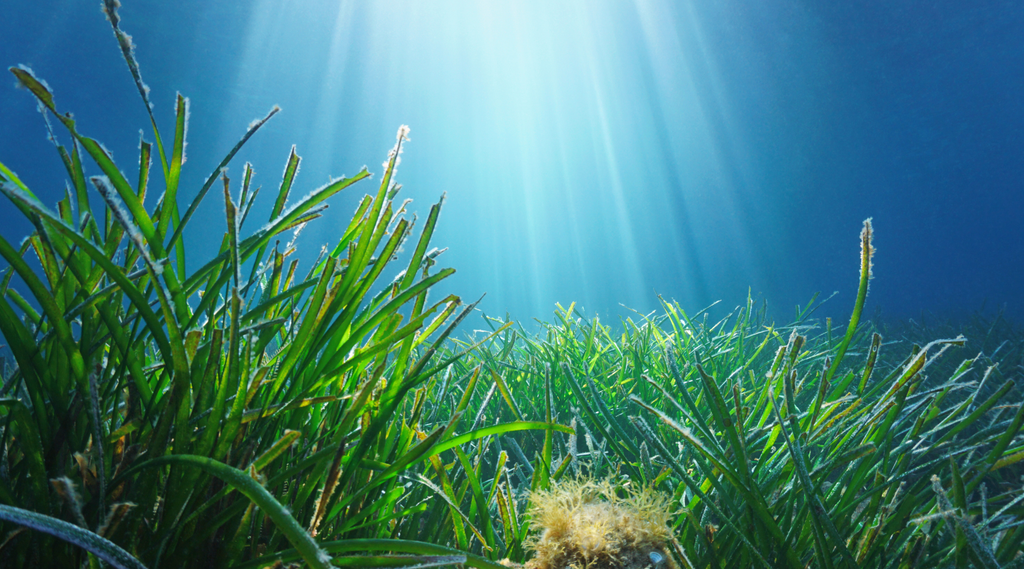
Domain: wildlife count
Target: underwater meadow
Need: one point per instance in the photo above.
(186, 390)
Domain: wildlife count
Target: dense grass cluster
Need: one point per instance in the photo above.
(244, 414)
(907, 459)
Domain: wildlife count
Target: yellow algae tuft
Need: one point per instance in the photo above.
(586, 524)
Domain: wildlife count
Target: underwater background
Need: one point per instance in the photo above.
(599, 152)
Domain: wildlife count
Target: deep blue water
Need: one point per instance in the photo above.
(600, 152)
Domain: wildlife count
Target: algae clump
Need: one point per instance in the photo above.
(586, 524)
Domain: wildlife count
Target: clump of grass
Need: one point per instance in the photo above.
(783, 446)
(240, 414)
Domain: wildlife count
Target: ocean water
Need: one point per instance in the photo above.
(601, 152)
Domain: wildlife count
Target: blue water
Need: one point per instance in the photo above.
(599, 152)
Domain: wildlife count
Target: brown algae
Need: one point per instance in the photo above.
(585, 524)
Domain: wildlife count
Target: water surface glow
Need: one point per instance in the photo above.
(598, 152)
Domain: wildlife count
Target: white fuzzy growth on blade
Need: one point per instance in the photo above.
(126, 41)
(122, 216)
(295, 235)
(298, 158)
(396, 152)
(256, 123)
(867, 249)
(128, 50)
(102, 184)
(109, 8)
(401, 208)
(33, 75)
(288, 210)
(18, 84)
(106, 152)
(46, 120)
(184, 133)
